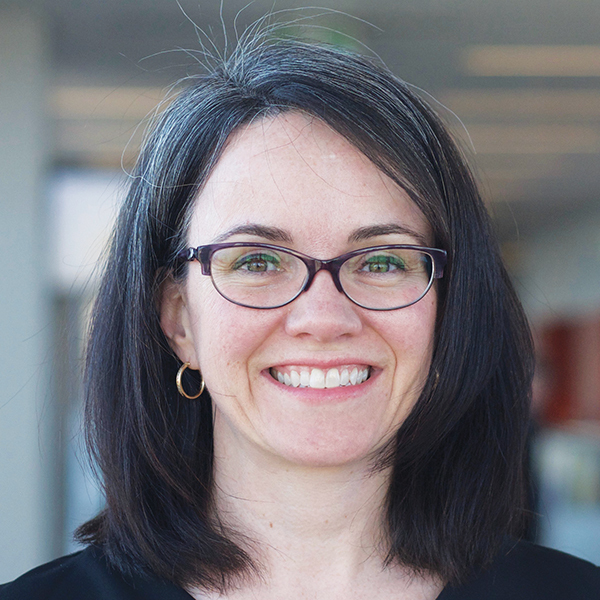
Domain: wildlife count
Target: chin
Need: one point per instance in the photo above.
(327, 450)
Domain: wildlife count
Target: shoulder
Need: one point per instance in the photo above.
(86, 574)
(526, 571)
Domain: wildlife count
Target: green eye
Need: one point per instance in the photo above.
(257, 263)
(383, 264)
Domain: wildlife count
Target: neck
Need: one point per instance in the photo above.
(313, 532)
(310, 517)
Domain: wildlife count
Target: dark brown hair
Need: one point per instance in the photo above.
(456, 485)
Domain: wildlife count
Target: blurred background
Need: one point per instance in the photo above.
(78, 81)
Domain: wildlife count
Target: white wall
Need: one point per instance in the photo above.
(559, 274)
(26, 408)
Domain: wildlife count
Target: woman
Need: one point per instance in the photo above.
(267, 429)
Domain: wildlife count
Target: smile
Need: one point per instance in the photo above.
(308, 377)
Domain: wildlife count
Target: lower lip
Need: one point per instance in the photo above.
(317, 396)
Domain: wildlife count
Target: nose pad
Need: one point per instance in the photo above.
(333, 272)
(323, 311)
(324, 278)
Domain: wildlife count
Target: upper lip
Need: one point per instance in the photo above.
(322, 363)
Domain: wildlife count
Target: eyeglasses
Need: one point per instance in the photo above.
(267, 276)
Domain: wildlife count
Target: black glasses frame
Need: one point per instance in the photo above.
(203, 254)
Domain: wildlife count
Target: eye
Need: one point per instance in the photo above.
(257, 263)
(382, 263)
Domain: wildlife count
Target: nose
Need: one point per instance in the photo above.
(323, 312)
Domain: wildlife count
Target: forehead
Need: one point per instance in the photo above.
(295, 173)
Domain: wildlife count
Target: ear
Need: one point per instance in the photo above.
(176, 323)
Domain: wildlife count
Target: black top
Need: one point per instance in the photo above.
(526, 572)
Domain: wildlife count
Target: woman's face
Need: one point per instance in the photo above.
(292, 181)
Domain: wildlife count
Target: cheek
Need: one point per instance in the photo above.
(412, 334)
(227, 336)
(410, 338)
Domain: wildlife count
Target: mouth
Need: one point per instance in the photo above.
(312, 377)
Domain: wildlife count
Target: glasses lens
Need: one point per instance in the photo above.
(387, 278)
(257, 277)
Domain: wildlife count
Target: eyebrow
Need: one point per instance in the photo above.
(365, 233)
(275, 234)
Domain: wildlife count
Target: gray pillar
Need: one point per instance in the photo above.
(26, 406)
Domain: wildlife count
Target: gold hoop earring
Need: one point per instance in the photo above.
(180, 389)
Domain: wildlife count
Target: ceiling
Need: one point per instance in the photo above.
(522, 77)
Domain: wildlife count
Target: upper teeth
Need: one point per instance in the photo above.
(318, 378)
